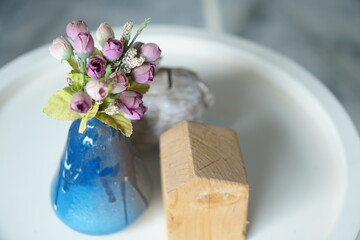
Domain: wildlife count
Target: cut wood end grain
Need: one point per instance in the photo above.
(204, 183)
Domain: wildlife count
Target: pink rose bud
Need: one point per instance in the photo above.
(137, 46)
(61, 49)
(120, 82)
(145, 73)
(150, 51)
(112, 49)
(95, 67)
(130, 102)
(75, 27)
(84, 44)
(103, 33)
(97, 89)
(80, 102)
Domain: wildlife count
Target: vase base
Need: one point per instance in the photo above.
(102, 185)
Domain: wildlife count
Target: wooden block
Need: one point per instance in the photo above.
(205, 188)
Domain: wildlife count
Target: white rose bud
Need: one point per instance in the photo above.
(103, 33)
(61, 49)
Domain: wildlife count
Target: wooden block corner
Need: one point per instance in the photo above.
(204, 181)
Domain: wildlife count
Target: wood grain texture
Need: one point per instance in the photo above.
(204, 183)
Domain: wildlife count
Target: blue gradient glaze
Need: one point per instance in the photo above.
(102, 186)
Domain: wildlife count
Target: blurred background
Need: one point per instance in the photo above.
(321, 35)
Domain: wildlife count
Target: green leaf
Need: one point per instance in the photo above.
(108, 71)
(143, 25)
(110, 98)
(58, 105)
(73, 64)
(138, 32)
(97, 52)
(139, 87)
(117, 121)
(86, 117)
(77, 78)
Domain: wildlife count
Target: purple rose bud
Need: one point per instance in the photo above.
(120, 82)
(95, 67)
(75, 27)
(150, 51)
(61, 49)
(145, 73)
(103, 33)
(112, 49)
(84, 44)
(130, 102)
(80, 102)
(137, 46)
(97, 89)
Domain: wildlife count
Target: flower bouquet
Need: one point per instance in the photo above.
(102, 185)
(107, 84)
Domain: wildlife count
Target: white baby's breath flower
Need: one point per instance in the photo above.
(130, 61)
(126, 30)
(112, 109)
(69, 81)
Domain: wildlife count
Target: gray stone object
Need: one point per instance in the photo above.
(176, 94)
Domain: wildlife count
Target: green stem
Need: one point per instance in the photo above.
(132, 41)
(142, 26)
(84, 81)
(70, 86)
(118, 67)
(138, 32)
(83, 73)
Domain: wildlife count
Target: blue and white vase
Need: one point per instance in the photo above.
(102, 185)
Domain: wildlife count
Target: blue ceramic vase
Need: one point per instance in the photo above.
(101, 186)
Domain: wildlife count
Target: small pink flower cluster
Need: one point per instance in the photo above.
(107, 74)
